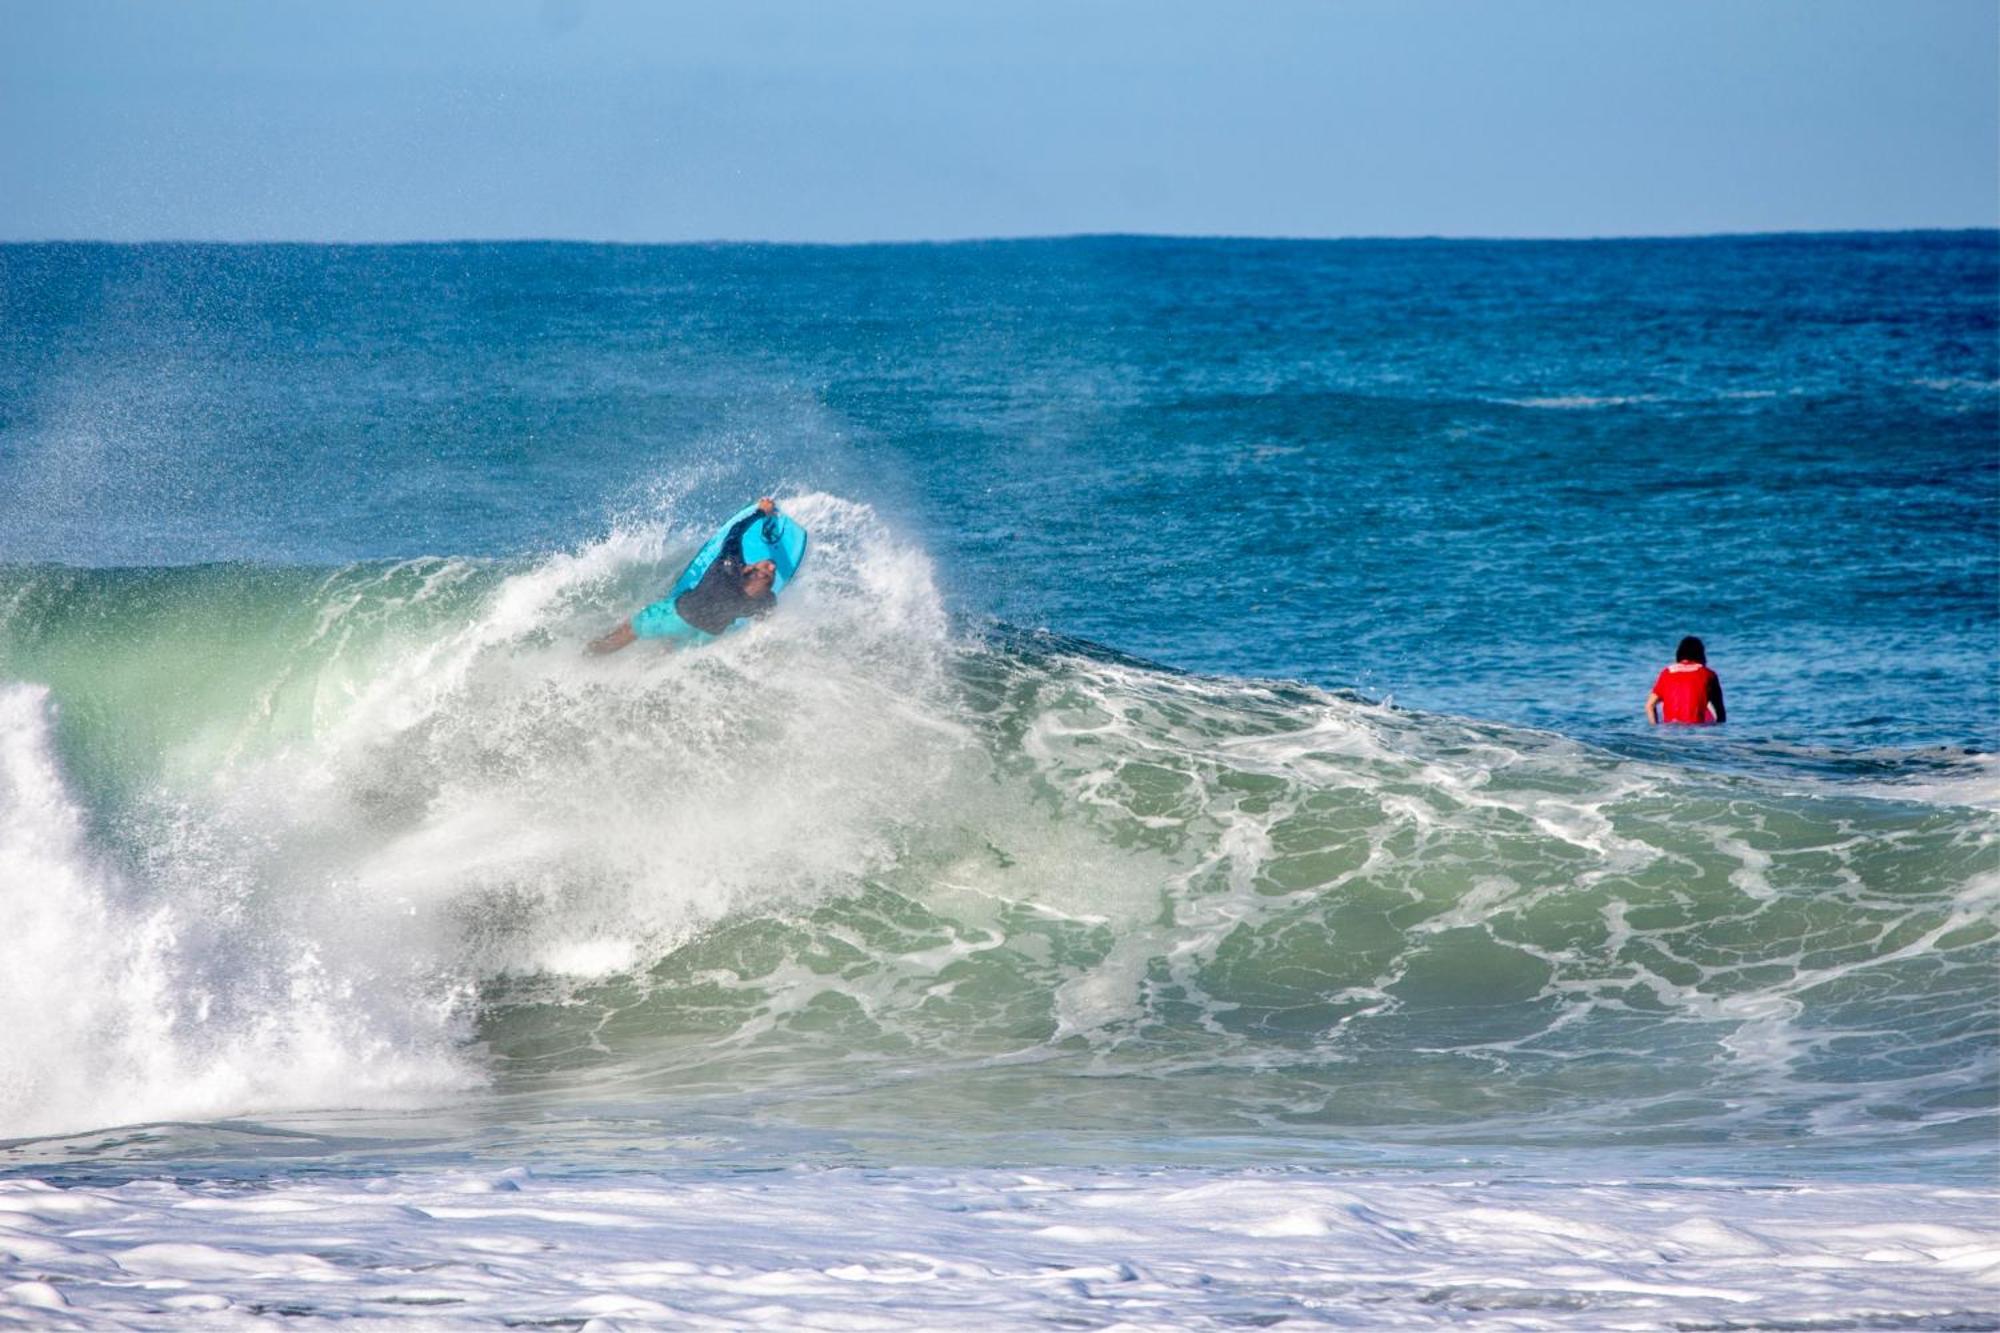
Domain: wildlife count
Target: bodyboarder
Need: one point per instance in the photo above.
(729, 590)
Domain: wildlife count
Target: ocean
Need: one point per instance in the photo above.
(1186, 851)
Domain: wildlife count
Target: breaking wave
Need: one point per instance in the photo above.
(372, 836)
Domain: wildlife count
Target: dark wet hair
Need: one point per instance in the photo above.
(1691, 651)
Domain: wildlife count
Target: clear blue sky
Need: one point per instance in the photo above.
(880, 119)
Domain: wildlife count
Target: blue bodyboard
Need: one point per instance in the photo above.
(778, 539)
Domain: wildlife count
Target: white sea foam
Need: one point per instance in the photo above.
(1576, 402)
(845, 855)
(928, 1248)
(311, 917)
(1976, 783)
(1959, 384)
(120, 1008)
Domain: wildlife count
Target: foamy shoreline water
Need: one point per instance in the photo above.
(917, 1248)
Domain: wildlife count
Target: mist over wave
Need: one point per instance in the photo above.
(383, 834)
(331, 804)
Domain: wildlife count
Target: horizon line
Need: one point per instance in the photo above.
(1797, 233)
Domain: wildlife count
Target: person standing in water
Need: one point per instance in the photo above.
(1687, 692)
(729, 590)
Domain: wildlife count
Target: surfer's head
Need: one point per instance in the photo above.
(1691, 651)
(757, 578)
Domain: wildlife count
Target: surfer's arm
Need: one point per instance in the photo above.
(1715, 706)
(1653, 707)
(618, 638)
(732, 545)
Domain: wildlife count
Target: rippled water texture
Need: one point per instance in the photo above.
(1198, 778)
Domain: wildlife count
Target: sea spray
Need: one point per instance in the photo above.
(123, 1006)
(847, 839)
(381, 833)
(405, 780)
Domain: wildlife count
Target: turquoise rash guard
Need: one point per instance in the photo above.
(712, 605)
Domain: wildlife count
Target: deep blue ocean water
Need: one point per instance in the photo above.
(1206, 735)
(1498, 479)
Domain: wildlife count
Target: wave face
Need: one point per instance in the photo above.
(382, 835)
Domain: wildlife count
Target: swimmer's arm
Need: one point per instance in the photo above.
(1653, 707)
(1715, 706)
(621, 637)
(732, 545)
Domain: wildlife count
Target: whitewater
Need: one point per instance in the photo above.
(374, 955)
(1005, 885)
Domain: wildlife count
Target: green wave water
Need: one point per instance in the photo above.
(382, 835)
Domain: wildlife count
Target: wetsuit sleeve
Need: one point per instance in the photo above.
(732, 545)
(1715, 697)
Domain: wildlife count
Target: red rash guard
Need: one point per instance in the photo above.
(1685, 689)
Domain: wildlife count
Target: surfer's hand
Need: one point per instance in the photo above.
(767, 506)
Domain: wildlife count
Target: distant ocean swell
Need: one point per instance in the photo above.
(368, 835)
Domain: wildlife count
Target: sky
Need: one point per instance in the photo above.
(867, 120)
